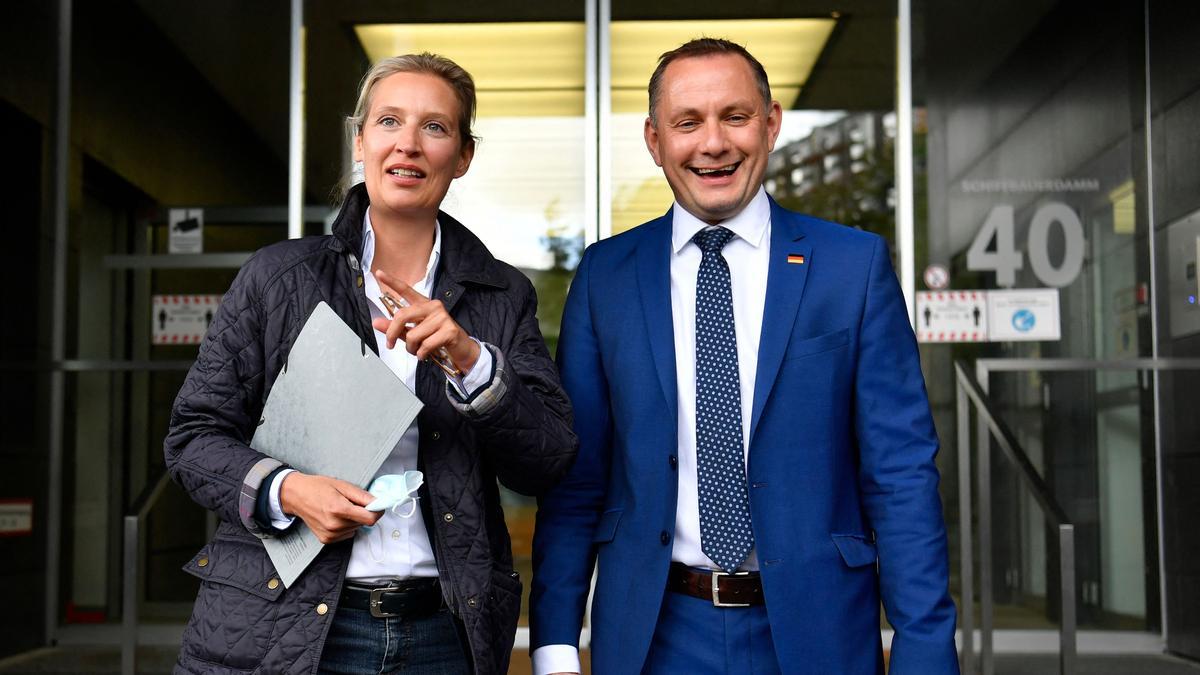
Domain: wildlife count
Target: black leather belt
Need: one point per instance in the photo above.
(722, 589)
(407, 599)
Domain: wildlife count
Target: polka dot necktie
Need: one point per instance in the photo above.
(725, 533)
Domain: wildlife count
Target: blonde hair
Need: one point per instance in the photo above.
(460, 82)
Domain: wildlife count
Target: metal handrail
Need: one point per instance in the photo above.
(129, 601)
(969, 391)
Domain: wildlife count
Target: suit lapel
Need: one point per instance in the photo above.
(785, 286)
(654, 285)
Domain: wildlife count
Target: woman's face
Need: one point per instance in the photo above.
(409, 144)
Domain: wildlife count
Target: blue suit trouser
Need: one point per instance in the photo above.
(696, 638)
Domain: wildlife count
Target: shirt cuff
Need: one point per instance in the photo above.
(248, 498)
(555, 659)
(479, 375)
(484, 399)
(279, 520)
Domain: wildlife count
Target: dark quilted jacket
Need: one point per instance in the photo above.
(246, 622)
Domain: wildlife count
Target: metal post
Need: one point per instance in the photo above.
(1066, 562)
(296, 125)
(966, 610)
(984, 473)
(57, 414)
(905, 202)
(591, 130)
(1153, 254)
(604, 91)
(129, 597)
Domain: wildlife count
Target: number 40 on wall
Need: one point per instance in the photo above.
(1004, 259)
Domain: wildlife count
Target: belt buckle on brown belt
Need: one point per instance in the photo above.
(716, 595)
(377, 602)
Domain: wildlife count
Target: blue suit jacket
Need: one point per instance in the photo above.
(843, 487)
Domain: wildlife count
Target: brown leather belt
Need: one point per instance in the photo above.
(722, 589)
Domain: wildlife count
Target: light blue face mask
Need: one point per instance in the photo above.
(393, 491)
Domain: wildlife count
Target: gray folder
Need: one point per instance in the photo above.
(336, 410)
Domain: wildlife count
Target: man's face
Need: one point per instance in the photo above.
(712, 134)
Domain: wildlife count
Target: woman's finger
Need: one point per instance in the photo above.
(398, 288)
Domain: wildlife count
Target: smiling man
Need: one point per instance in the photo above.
(756, 465)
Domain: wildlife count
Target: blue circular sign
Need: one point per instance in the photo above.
(1023, 320)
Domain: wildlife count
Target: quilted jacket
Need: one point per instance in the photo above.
(244, 620)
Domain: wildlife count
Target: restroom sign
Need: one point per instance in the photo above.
(952, 316)
(181, 319)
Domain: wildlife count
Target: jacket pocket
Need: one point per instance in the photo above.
(234, 620)
(816, 345)
(856, 549)
(606, 529)
(237, 562)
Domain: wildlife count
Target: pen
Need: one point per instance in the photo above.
(441, 357)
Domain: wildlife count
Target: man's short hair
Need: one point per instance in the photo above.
(706, 47)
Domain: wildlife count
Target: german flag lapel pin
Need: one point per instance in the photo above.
(795, 259)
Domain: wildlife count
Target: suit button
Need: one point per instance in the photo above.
(203, 562)
(664, 538)
(448, 517)
(322, 609)
(273, 584)
(435, 435)
(673, 461)
(472, 602)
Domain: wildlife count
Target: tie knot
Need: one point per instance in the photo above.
(712, 239)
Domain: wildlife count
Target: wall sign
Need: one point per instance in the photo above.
(181, 319)
(952, 316)
(937, 277)
(16, 517)
(185, 231)
(988, 316)
(1024, 315)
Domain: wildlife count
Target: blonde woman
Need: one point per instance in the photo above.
(433, 592)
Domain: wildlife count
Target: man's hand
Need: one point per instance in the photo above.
(332, 508)
(424, 326)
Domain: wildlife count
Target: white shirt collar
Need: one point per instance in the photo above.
(748, 225)
(368, 251)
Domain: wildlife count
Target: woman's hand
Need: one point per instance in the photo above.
(424, 326)
(332, 508)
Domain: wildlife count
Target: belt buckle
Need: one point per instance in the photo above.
(377, 602)
(716, 596)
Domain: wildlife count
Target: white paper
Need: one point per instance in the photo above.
(336, 410)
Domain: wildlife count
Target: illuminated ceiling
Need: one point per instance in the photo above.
(787, 48)
(536, 69)
(521, 69)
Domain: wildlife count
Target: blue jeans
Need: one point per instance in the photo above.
(360, 643)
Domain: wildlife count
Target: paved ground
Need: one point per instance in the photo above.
(156, 660)
(1047, 664)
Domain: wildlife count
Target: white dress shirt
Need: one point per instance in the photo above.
(396, 547)
(748, 255)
